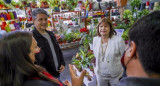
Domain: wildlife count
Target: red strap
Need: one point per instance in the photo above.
(49, 76)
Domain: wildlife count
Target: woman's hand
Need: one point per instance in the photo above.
(76, 80)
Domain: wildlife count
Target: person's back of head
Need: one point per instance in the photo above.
(146, 35)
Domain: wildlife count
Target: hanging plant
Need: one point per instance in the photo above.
(23, 3)
(15, 4)
(1, 4)
(44, 3)
(72, 4)
(63, 5)
(134, 4)
(32, 3)
(53, 3)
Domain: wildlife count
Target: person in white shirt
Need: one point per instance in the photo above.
(108, 49)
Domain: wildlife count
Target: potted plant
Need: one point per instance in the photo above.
(33, 4)
(72, 4)
(44, 3)
(77, 64)
(125, 36)
(69, 37)
(91, 68)
(1, 4)
(63, 5)
(135, 4)
(78, 57)
(24, 2)
(88, 76)
(15, 4)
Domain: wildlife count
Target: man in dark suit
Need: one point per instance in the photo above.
(53, 57)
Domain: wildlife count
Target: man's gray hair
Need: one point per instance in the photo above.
(38, 11)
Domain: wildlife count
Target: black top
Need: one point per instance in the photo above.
(48, 61)
(139, 81)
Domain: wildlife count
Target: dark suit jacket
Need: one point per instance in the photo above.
(48, 61)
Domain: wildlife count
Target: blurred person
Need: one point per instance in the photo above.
(108, 49)
(53, 58)
(141, 58)
(17, 58)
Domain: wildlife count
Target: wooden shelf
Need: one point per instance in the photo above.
(69, 45)
(64, 12)
(9, 20)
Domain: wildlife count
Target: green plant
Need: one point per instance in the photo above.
(85, 62)
(53, 3)
(134, 5)
(1, 2)
(77, 63)
(90, 55)
(121, 26)
(127, 14)
(143, 13)
(77, 34)
(69, 37)
(125, 35)
(14, 3)
(72, 4)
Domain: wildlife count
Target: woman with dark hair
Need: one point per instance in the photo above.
(108, 49)
(17, 58)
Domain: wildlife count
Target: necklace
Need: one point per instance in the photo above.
(103, 52)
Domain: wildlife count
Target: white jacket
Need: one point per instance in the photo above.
(113, 54)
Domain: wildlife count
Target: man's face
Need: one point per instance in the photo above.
(41, 21)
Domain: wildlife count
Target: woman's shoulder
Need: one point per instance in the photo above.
(96, 37)
(39, 83)
(117, 38)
